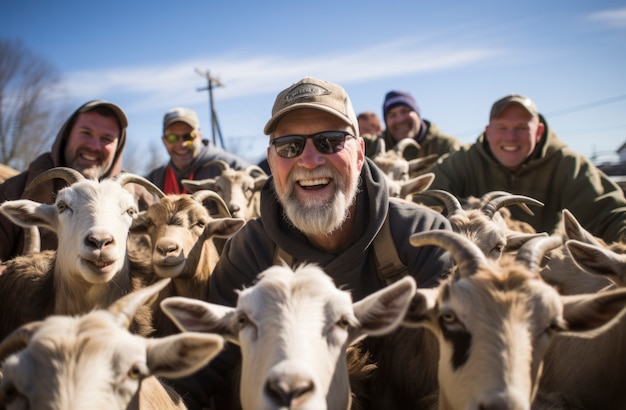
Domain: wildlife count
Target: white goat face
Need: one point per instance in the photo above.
(104, 373)
(93, 223)
(293, 329)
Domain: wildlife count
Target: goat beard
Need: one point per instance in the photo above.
(319, 216)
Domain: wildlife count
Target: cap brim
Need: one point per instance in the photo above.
(271, 124)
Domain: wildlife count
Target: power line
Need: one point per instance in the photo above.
(586, 106)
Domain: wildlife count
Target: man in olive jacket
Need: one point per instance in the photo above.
(521, 154)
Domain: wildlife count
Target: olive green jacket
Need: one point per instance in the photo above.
(554, 174)
(434, 142)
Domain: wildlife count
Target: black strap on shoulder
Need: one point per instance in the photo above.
(389, 266)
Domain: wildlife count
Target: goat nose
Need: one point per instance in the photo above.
(234, 208)
(285, 390)
(503, 402)
(99, 241)
(166, 247)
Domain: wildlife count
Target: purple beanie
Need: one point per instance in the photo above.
(395, 98)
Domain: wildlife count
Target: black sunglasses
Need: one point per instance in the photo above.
(327, 142)
(173, 138)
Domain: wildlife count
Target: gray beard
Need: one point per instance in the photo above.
(319, 217)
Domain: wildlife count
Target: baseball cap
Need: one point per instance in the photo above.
(186, 115)
(119, 113)
(395, 98)
(311, 92)
(502, 103)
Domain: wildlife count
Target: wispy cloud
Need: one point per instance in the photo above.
(251, 75)
(615, 18)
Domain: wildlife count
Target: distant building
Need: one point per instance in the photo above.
(617, 170)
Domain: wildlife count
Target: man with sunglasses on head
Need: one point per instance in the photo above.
(189, 153)
(325, 203)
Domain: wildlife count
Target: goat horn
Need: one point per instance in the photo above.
(451, 202)
(531, 253)
(69, 175)
(219, 162)
(222, 208)
(255, 169)
(124, 309)
(18, 339)
(493, 194)
(466, 253)
(494, 204)
(404, 143)
(127, 178)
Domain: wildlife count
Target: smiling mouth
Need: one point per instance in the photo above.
(314, 183)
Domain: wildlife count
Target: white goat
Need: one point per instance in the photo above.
(90, 268)
(294, 329)
(93, 362)
(182, 234)
(240, 189)
(494, 321)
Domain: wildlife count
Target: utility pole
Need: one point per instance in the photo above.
(211, 83)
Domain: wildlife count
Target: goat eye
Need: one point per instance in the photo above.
(131, 212)
(242, 321)
(200, 224)
(62, 207)
(136, 372)
(343, 323)
(448, 317)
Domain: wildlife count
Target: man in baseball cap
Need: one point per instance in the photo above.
(190, 155)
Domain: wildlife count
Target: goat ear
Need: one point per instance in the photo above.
(194, 186)
(27, 213)
(182, 354)
(224, 227)
(587, 315)
(598, 260)
(421, 307)
(383, 311)
(199, 316)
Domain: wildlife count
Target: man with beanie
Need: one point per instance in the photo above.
(324, 203)
(189, 153)
(519, 153)
(403, 120)
(91, 141)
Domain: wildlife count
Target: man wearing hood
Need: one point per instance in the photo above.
(91, 141)
(325, 203)
(520, 154)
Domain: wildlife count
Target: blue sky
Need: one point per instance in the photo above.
(456, 57)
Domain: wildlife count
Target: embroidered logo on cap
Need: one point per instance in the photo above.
(305, 91)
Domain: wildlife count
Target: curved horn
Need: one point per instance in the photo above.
(124, 309)
(493, 194)
(404, 143)
(255, 170)
(127, 178)
(531, 253)
(451, 202)
(219, 162)
(491, 207)
(32, 240)
(18, 339)
(69, 175)
(204, 194)
(466, 253)
(379, 147)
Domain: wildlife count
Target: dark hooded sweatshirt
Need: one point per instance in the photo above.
(12, 235)
(251, 251)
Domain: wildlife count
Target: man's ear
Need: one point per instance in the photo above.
(540, 128)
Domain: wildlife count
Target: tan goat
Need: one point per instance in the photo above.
(183, 234)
